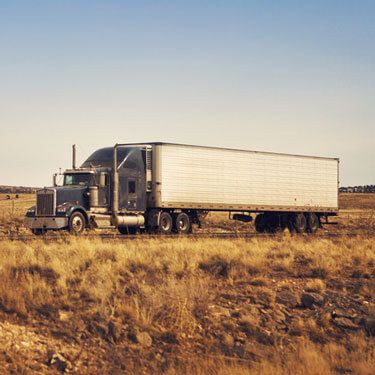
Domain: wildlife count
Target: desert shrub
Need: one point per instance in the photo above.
(316, 285)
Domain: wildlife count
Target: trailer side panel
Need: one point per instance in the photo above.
(213, 178)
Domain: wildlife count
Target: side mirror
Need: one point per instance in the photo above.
(102, 179)
(54, 179)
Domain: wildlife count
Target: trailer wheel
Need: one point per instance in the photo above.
(299, 223)
(313, 222)
(182, 223)
(260, 225)
(272, 223)
(127, 230)
(165, 223)
(77, 223)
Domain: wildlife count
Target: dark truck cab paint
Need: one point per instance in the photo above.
(84, 200)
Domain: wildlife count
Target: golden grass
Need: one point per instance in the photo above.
(13, 210)
(170, 287)
(42, 272)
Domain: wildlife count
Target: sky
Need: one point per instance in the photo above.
(287, 76)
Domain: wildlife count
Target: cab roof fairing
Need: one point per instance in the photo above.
(103, 157)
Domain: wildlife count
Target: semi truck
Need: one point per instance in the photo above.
(165, 187)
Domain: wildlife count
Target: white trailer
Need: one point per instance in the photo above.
(210, 178)
(284, 190)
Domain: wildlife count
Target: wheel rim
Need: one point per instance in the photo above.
(300, 223)
(77, 224)
(313, 223)
(165, 224)
(182, 223)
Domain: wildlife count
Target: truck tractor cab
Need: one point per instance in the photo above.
(85, 200)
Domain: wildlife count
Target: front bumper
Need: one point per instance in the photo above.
(46, 222)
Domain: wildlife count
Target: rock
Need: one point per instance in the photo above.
(58, 361)
(310, 299)
(144, 339)
(287, 298)
(345, 323)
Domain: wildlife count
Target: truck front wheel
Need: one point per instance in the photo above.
(77, 223)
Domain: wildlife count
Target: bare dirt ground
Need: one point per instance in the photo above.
(278, 305)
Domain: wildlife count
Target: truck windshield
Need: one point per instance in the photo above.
(83, 179)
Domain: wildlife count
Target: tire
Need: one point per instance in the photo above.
(313, 222)
(260, 226)
(77, 223)
(127, 230)
(272, 223)
(38, 231)
(182, 223)
(300, 223)
(165, 223)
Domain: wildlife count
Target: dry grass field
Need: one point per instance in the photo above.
(270, 305)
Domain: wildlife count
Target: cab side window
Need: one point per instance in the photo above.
(131, 187)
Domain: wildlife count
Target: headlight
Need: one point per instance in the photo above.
(62, 209)
(31, 210)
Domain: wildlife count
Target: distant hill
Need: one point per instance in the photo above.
(5, 189)
(358, 189)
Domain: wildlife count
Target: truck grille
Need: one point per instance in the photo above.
(45, 202)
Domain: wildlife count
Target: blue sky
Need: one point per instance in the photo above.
(282, 76)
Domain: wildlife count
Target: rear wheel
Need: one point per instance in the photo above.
(165, 223)
(300, 223)
(182, 223)
(77, 223)
(313, 222)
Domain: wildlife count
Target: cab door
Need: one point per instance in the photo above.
(104, 192)
(132, 189)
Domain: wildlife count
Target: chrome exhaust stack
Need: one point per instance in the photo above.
(74, 164)
(115, 187)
